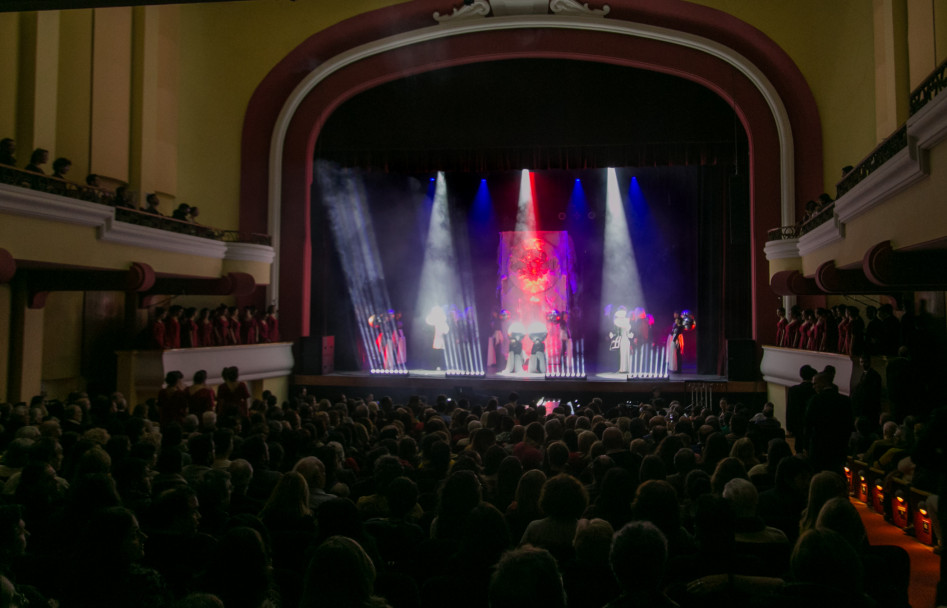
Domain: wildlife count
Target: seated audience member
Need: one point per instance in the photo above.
(37, 158)
(176, 547)
(763, 475)
(824, 486)
(782, 505)
(588, 577)
(656, 501)
(192, 213)
(887, 567)
(525, 506)
(123, 198)
(752, 536)
(638, 558)
(106, 570)
(563, 501)
(61, 167)
(614, 501)
(340, 574)
(824, 571)
(527, 577)
(8, 152)
(151, 204)
(181, 212)
(239, 572)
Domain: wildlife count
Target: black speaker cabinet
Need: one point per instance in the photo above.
(741, 361)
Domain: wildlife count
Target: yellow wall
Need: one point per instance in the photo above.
(111, 93)
(62, 336)
(9, 54)
(230, 47)
(75, 92)
(810, 31)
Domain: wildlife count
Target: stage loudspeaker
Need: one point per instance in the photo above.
(317, 355)
(741, 360)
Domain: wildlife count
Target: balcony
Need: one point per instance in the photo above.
(63, 212)
(886, 203)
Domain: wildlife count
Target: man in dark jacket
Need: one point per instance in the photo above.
(828, 425)
(797, 398)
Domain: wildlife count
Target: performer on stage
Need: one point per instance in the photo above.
(437, 318)
(621, 338)
(683, 322)
(565, 344)
(497, 344)
(537, 354)
(514, 362)
(401, 343)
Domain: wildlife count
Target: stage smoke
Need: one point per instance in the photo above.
(343, 195)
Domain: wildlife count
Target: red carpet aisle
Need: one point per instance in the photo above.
(925, 566)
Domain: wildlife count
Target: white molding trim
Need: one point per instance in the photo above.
(255, 362)
(821, 236)
(781, 366)
(25, 202)
(899, 173)
(47, 206)
(928, 127)
(123, 233)
(781, 249)
(249, 252)
(464, 27)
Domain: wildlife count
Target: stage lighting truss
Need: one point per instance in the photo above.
(648, 362)
(568, 367)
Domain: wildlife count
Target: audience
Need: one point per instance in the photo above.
(375, 503)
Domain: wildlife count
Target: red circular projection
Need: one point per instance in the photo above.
(534, 265)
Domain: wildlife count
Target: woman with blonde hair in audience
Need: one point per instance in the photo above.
(525, 506)
(824, 486)
(745, 451)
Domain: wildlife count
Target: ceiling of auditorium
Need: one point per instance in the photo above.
(9, 6)
(533, 113)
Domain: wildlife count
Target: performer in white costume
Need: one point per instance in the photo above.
(437, 318)
(621, 338)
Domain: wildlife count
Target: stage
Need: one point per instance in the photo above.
(612, 388)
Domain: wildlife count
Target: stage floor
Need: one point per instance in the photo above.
(611, 387)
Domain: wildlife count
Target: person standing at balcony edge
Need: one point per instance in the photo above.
(61, 167)
(8, 151)
(152, 201)
(39, 157)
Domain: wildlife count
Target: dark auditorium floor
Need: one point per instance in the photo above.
(925, 566)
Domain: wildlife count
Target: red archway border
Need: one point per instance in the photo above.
(747, 101)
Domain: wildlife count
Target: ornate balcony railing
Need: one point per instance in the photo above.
(896, 142)
(45, 183)
(928, 90)
(783, 233)
(825, 214)
(53, 185)
(797, 230)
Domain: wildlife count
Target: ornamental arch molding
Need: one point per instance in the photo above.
(288, 109)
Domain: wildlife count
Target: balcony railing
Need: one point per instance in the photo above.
(928, 90)
(822, 216)
(797, 230)
(896, 142)
(45, 183)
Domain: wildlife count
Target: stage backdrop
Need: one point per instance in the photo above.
(536, 281)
